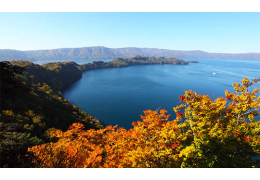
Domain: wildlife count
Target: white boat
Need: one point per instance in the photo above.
(214, 73)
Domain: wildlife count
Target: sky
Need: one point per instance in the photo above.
(207, 31)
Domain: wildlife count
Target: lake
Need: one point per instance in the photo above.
(78, 61)
(118, 96)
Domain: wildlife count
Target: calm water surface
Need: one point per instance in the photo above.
(119, 95)
(80, 61)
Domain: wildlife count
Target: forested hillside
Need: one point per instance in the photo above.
(31, 109)
(57, 75)
(104, 52)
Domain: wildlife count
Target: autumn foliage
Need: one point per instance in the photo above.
(206, 133)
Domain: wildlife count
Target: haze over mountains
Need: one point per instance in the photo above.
(104, 52)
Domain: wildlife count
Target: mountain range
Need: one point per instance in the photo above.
(99, 52)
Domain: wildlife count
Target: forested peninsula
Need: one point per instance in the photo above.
(138, 60)
(32, 105)
(61, 74)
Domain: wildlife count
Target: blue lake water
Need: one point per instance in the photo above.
(79, 61)
(119, 95)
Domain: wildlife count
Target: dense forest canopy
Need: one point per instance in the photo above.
(31, 109)
(137, 60)
(39, 128)
(57, 75)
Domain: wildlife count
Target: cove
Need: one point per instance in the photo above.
(118, 96)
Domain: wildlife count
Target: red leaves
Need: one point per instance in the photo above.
(166, 147)
(238, 132)
(256, 80)
(182, 98)
(174, 145)
(246, 138)
(228, 97)
(179, 115)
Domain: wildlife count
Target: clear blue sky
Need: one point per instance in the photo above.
(211, 32)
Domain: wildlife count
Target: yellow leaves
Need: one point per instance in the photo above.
(188, 152)
(236, 87)
(210, 130)
(180, 107)
(245, 81)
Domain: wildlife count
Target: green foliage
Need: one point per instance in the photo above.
(56, 75)
(138, 60)
(10, 86)
(28, 117)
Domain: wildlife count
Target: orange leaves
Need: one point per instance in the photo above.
(76, 126)
(94, 157)
(153, 118)
(214, 133)
(8, 112)
(134, 124)
(163, 112)
(111, 147)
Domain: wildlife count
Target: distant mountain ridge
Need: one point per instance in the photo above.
(99, 52)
